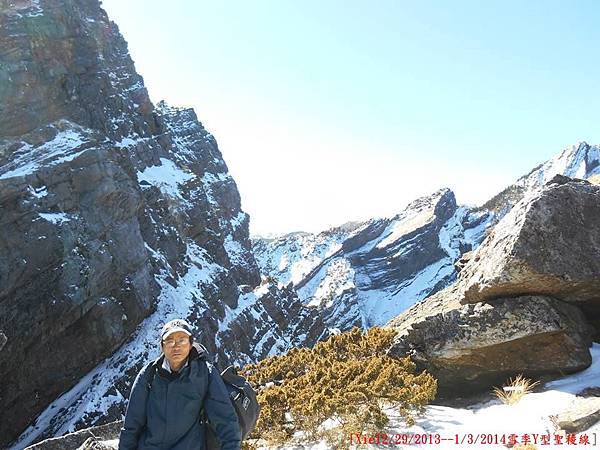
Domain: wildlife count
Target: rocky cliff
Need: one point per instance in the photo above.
(115, 215)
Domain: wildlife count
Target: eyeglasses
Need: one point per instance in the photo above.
(171, 342)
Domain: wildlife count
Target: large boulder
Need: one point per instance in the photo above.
(475, 346)
(525, 301)
(548, 244)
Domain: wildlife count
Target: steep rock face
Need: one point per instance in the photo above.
(74, 274)
(66, 60)
(538, 323)
(366, 273)
(115, 216)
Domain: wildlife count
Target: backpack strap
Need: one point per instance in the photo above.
(152, 371)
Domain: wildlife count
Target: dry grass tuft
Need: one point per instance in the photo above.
(515, 389)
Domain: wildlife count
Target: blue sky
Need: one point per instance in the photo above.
(329, 111)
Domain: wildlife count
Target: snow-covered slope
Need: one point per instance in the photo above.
(102, 392)
(581, 160)
(289, 258)
(577, 161)
(364, 274)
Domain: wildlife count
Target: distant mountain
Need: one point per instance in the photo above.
(367, 273)
(577, 161)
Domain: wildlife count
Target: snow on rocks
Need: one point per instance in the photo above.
(66, 145)
(167, 177)
(367, 273)
(55, 218)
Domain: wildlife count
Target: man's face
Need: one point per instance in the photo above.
(176, 348)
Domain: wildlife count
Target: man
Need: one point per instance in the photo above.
(169, 394)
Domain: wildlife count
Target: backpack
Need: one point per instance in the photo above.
(241, 394)
(245, 404)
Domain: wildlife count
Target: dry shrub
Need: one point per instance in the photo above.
(348, 378)
(515, 389)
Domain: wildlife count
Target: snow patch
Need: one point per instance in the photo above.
(330, 282)
(56, 218)
(207, 182)
(379, 306)
(237, 254)
(127, 142)
(237, 221)
(167, 177)
(53, 152)
(531, 415)
(40, 192)
(408, 222)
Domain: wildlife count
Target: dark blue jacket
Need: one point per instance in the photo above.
(167, 415)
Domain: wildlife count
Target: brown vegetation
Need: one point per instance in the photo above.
(349, 378)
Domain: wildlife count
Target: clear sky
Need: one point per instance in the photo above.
(328, 111)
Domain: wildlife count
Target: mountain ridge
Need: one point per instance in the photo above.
(292, 258)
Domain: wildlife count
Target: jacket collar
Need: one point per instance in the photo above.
(166, 366)
(198, 351)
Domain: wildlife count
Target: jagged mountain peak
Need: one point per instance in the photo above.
(366, 272)
(440, 199)
(580, 160)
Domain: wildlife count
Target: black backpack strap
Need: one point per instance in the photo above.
(152, 372)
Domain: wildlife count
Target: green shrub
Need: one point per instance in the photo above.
(348, 378)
